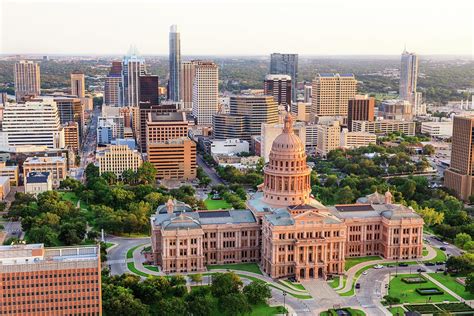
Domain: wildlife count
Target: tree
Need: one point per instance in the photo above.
(43, 235)
(129, 176)
(110, 177)
(430, 216)
(234, 304)
(225, 283)
(92, 172)
(196, 278)
(470, 283)
(391, 300)
(173, 306)
(428, 150)
(146, 173)
(117, 300)
(461, 239)
(345, 195)
(176, 280)
(462, 265)
(199, 305)
(257, 292)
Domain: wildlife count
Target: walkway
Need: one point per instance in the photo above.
(459, 298)
(352, 271)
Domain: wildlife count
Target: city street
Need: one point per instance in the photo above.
(215, 179)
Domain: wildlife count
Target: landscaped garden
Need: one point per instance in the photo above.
(350, 311)
(451, 283)
(417, 292)
(397, 311)
(216, 204)
(249, 267)
(439, 308)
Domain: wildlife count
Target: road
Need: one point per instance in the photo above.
(211, 173)
(451, 250)
(13, 229)
(116, 256)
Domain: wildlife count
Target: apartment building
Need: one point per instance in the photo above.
(27, 79)
(384, 127)
(329, 137)
(331, 94)
(56, 166)
(186, 84)
(50, 281)
(117, 159)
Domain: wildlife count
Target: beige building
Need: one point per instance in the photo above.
(117, 159)
(329, 137)
(301, 111)
(4, 187)
(27, 79)
(186, 84)
(384, 127)
(161, 128)
(56, 166)
(459, 175)
(357, 139)
(10, 172)
(331, 94)
(78, 84)
(205, 92)
(71, 135)
(173, 159)
(396, 110)
(38, 182)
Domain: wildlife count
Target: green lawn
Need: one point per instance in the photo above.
(298, 286)
(450, 282)
(71, 197)
(131, 250)
(425, 252)
(352, 311)
(249, 267)
(334, 283)
(353, 261)
(300, 296)
(407, 292)
(109, 244)
(152, 268)
(440, 255)
(265, 310)
(397, 311)
(131, 267)
(216, 204)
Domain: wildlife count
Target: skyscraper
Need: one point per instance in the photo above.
(360, 108)
(408, 77)
(205, 92)
(27, 79)
(78, 85)
(133, 67)
(331, 94)
(278, 86)
(286, 64)
(175, 63)
(459, 175)
(149, 89)
(186, 84)
(113, 85)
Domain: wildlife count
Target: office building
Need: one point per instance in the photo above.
(225, 126)
(271, 131)
(205, 92)
(229, 147)
(285, 229)
(10, 172)
(71, 110)
(174, 159)
(399, 110)
(300, 110)
(308, 91)
(50, 281)
(163, 127)
(437, 129)
(278, 86)
(133, 67)
(56, 166)
(117, 159)
(144, 110)
(360, 108)
(33, 123)
(408, 77)
(286, 64)
(71, 136)
(113, 94)
(174, 64)
(186, 84)
(331, 94)
(27, 79)
(384, 127)
(78, 84)
(149, 89)
(353, 140)
(459, 176)
(38, 182)
(329, 137)
(109, 128)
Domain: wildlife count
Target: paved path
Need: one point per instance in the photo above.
(442, 286)
(116, 256)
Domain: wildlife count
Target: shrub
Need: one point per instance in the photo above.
(422, 308)
(455, 307)
(414, 280)
(429, 291)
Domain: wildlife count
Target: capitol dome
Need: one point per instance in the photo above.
(287, 175)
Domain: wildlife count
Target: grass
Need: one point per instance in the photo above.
(298, 286)
(407, 292)
(265, 310)
(131, 250)
(151, 268)
(249, 267)
(109, 244)
(131, 267)
(293, 286)
(397, 311)
(356, 277)
(334, 283)
(354, 261)
(440, 255)
(352, 311)
(216, 204)
(300, 296)
(425, 252)
(72, 197)
(450, 282)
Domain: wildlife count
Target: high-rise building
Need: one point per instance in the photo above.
(71, 135)
(205, 92)
(113, 94)
(50, 281)
(33, 123)
(162, 127)
(360, 108)
(27, 79)
(78, 84)
(117, 159)
(331, 94)
(186, 84)
(308, 90)
(286, 64)
(144, 110)
(175, 64)
(149, 89)
(278, 86)
(225, 126)
(408, 77)
(329, 137)
(460, 174)
(133, 67)
(71, 110)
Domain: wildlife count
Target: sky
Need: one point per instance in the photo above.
(238, 27)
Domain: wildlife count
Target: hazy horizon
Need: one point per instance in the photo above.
(237, 28)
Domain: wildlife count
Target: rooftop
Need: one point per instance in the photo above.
(37, 177)
(48, 159)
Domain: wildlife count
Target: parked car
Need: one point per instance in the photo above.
(421, 270)
(357, 285)
(440, 263)
(439, 270)
(442, 248)
(445, 243)
(429, 264)
(364, 273)
(378, 266)
(403, 264)
(389, 265)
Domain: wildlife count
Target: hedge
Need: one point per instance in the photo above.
(455, 307)
(414, 280)
(422, 308)
(429, 291)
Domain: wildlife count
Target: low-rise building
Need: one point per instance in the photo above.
(38, 182)
(329, 137)
(4, 187)
(117, 159)
(50, 281)
(384, 127)
(9, 171)
(71, 135)
(357, 139)
(437, 129)
(229, 146)
(56, 166)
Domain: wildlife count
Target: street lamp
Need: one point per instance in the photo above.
(284, 302)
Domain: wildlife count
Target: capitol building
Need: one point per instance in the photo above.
(284, 229)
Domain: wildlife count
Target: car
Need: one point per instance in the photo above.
(440, 263)
(357, 285)
(421, 270)
(390, 266)
(442, 248)
(445, 243)
(403, 264)
(439, 270)
(429, 264)
(378, 266)
(364, 273)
